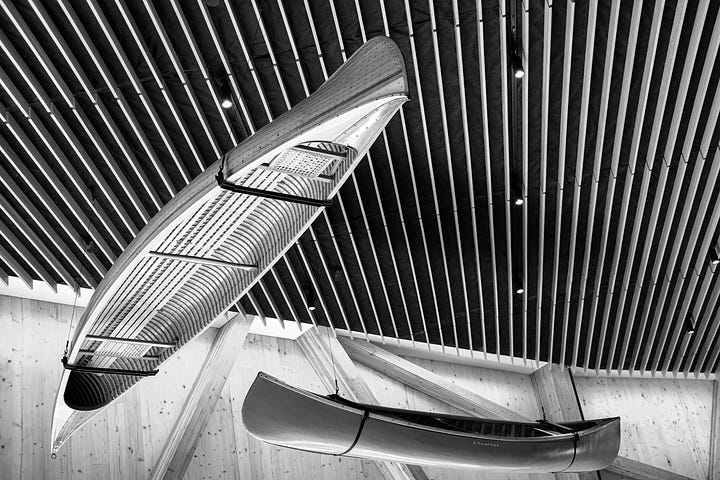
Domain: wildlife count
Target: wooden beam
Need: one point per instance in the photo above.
(332, 365)
(555, 389)
(425, 381)
(714, 470)
(201, 400)
(626, 468)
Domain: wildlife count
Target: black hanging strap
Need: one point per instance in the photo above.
(257, 192)
(113, 371)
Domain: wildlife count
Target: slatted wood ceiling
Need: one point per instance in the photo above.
(611, 138)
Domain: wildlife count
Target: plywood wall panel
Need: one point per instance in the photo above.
(665, 422)
(120, 442)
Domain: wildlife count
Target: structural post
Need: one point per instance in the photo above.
(714, 470)
(201, 400)
(332, 364)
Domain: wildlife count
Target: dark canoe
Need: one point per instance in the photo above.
(280, 414)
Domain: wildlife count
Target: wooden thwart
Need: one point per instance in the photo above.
(134, 341)
(203, 260)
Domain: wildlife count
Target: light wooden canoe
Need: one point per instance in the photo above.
(208, 245)
(283, 415)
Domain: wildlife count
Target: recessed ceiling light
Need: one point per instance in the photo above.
(517, 68)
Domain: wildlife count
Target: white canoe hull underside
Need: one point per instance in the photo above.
(170, 301)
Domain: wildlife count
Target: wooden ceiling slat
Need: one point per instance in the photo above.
(470, 185)
(180, 71)
(302, 292)
(579, 163)
(525, 112)
(664, 90)
(562, 154)
(594, 186)
(200, 61)
(63, 126)
(412, 169)
(34, 215)
(248, 59)
(55, 150)
(9, 260)
(226, 65)
(316, 286)
(351, 235)
(96, 57)
(160, 82)
(627, 191)
(285, 296)
(507, 137)
(27, 257)
(701, 314)
(256, 306)
(678, 187)
(547, 44)
(612, 180)
(453, 196)
(368, 232)
(142, 94)
(403, 222)
(488, 168)
(48, 203)
(122, 102)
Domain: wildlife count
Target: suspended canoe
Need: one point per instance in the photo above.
(290, 417)
(210, 243)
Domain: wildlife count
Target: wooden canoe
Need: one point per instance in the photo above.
(210, 243)
(280, 414)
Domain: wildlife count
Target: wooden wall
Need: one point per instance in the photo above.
(665, 422)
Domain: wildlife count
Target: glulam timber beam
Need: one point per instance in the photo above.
(556, 393)
(558, 402)
(202, 398)
(334, 367)
(425, 381)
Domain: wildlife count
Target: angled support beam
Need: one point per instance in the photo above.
(425, 381)
(201, 400)
(626, 468)
(332, 365)
(714, 470)
(555, 389)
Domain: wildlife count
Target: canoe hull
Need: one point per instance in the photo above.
(282, 415)
(160, 299)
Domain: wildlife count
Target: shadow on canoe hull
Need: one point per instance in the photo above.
(283, 415)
